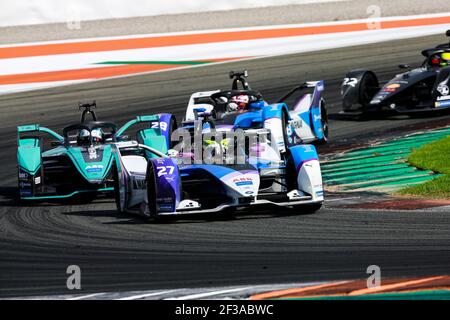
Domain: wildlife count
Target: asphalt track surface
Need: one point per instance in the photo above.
(121, 253)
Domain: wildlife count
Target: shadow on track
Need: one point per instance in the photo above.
(129, 219)
(9, 197)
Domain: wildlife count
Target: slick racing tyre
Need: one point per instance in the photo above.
(325, 127)
(117, 189)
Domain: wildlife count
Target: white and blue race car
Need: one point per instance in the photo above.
(304, 120)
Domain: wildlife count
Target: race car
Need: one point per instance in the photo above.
(418, 90)
(157, 185)
(79, 161)
(305, 120)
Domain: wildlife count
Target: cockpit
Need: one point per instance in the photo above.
(89, 133)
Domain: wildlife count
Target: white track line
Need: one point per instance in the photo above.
(145, 295)
(85, 296)
(208, 294)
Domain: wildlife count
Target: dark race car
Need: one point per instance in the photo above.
(423, 89)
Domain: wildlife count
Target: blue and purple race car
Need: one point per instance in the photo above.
(224, 162)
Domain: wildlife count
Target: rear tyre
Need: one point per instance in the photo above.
(358, 98)
(367, 89)
(325, 128)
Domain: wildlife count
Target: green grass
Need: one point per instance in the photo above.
(433, 156)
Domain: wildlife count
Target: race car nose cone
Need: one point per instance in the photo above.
(244, 184)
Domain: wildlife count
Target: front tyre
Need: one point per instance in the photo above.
(151, 192)
(117, 197)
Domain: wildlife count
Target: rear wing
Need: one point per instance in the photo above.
(139, 119)
(317, 85)
(34, 128)
(158, 133)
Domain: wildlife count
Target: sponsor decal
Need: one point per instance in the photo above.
(166, 207)
(308, 148)
(26, 193)
(94, 168)
(244, 183)
(442, 104)
(317, 117)
(164, 200)
(443, 89)
(23, 184)
(23, 175)
(249, 192)
(443, 98)
(319, 193)
(92, 153)
(391, 87)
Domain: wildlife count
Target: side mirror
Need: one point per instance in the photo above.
(404, 66)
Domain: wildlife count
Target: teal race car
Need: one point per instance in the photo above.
(81, 160)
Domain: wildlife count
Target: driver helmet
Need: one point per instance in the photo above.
(445, 59)
(97, 135)
(83, 137)
(240, 102)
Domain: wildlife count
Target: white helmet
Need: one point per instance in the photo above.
(97, 135)
(83, 137)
